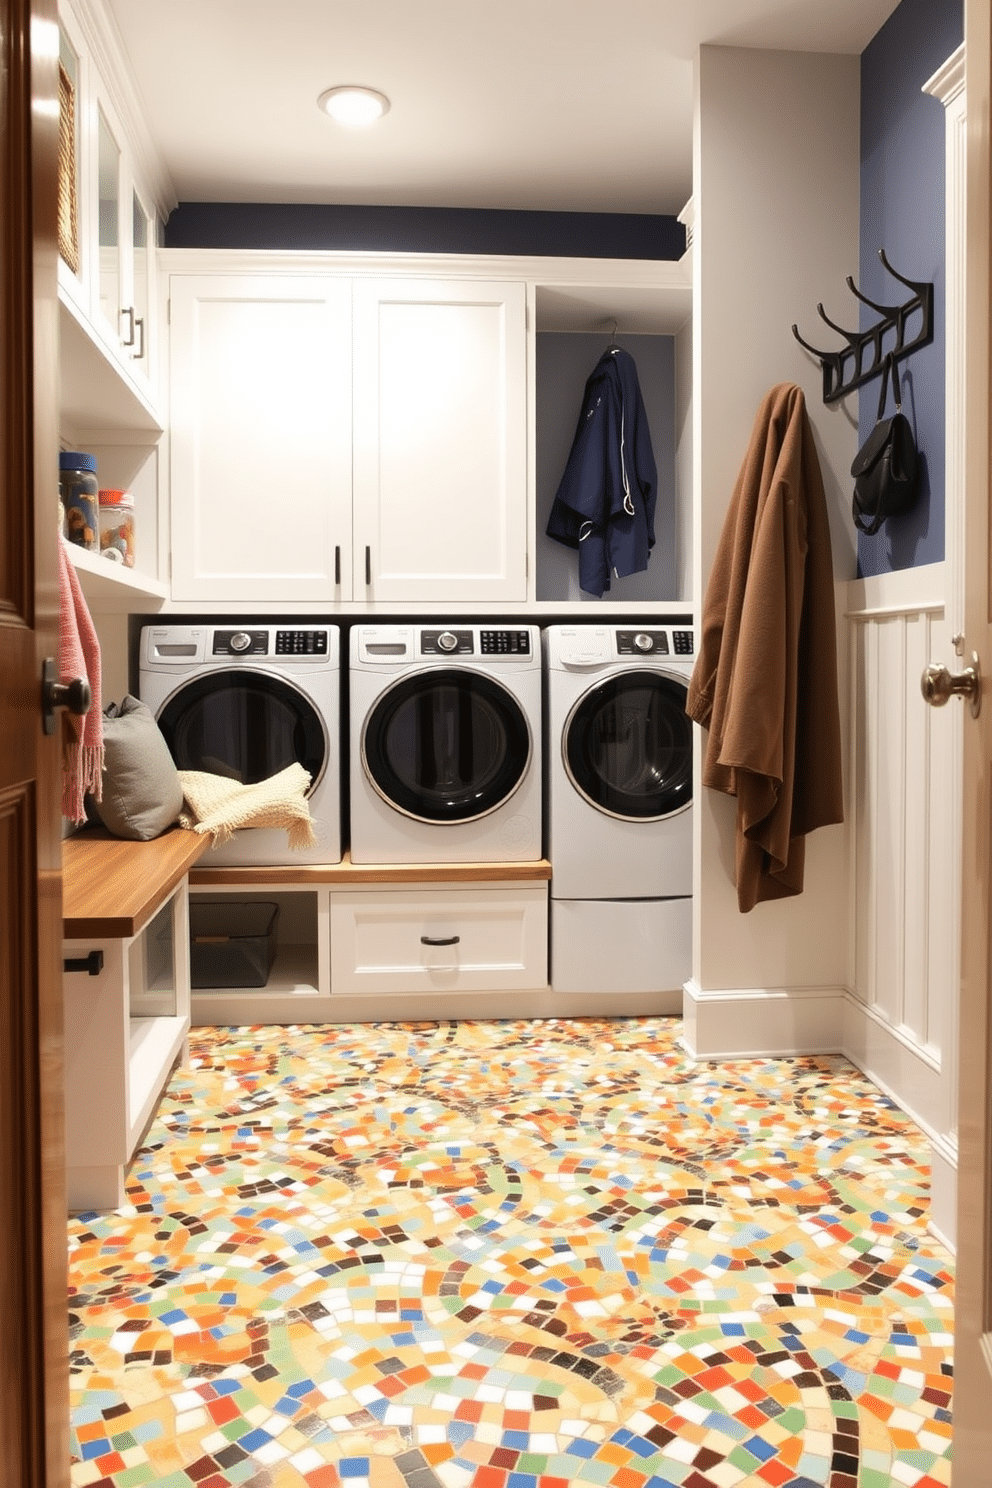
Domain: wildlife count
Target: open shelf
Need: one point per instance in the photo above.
(94, 392)
(153, 1047)
(293, 974)
(107, 585)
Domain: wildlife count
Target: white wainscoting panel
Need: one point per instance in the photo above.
(899, 1021)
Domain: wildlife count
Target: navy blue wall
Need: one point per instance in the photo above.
(315, 228)
(902, 211)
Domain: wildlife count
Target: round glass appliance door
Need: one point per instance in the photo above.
(446, 745)
(627, 746)
(244, 725)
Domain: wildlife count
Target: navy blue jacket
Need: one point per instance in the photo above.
(606, 499)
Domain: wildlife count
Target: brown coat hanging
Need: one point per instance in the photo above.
(765, 680)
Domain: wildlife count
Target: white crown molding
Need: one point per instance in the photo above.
(106, 48)
(948, 80)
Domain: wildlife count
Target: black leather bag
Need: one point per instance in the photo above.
(886, 467)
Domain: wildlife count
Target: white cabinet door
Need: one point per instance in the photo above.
(260, 437)
(440, 443)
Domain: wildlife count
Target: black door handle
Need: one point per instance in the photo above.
(439, 940)
(75, 695)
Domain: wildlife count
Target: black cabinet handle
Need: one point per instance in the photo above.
(91, 964)
(368, 565)
(439, 940)
(337, 565)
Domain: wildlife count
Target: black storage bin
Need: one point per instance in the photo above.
(232, 942)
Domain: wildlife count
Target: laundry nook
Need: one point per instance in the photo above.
(498, 956)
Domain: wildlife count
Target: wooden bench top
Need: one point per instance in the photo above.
(346, 873)
(112, 887)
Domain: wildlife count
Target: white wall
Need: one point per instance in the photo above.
(864, 962)
(776, 230)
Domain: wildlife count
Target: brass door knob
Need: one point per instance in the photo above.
(938, 684)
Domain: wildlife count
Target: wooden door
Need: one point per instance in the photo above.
(260, 437)
(34, 1451)
(440, 441)
(973, 1311)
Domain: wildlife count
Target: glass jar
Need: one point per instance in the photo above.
(117, 527)
(79, 489)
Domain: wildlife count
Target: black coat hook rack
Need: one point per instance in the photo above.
(864, 355)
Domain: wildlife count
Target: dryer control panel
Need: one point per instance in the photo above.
(270, 641)
(454, 642)
(654, 642)
(642, 643)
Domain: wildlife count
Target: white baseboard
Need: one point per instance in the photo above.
(943, 1222)
(209, 1009)
(909, 1073)
(754, 1023)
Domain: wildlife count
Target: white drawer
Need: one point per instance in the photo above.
(439, 940)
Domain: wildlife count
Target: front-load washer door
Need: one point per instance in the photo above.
(627, 746)
(244, 724)
(446, 745)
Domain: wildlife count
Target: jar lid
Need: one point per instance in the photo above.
(116, 498)
(76, 460)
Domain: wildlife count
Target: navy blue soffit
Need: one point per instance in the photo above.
(315, 228)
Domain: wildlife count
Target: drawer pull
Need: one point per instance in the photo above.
(91, 964)
(439, 940)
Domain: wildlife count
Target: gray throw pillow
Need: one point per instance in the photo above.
(141, 791)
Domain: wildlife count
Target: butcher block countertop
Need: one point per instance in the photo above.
(347, 874)
(111, 887)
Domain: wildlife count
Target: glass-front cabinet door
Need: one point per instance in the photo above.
(108, 302)
(108, 232)
(128, 236)
(139, 307)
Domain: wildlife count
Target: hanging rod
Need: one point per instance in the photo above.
(864, 355)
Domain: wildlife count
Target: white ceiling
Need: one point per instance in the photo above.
(557, 105)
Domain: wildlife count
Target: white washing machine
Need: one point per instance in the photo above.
(245, 700)
(445, 743)
(619, 806)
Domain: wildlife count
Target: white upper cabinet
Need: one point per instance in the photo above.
(260, 436)
(108, 244)
(315, 461)
(113, 197)
(440, 474)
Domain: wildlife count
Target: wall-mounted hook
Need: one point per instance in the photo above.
(820, 355)
(864, 355)
(850, 337)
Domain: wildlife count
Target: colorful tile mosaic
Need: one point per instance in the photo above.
(512, 1255)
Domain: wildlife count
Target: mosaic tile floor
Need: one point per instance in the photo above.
(512, 1255)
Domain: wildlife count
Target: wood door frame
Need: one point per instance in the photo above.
(34, 1396)
(973, 1312)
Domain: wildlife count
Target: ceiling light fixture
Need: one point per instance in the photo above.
(353, 106)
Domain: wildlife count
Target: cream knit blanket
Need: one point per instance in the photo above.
(220, 806)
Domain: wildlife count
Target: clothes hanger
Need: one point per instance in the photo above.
(613, 347)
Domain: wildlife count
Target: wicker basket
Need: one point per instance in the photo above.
(68, 214)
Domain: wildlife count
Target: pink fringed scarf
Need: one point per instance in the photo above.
(79, 656)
